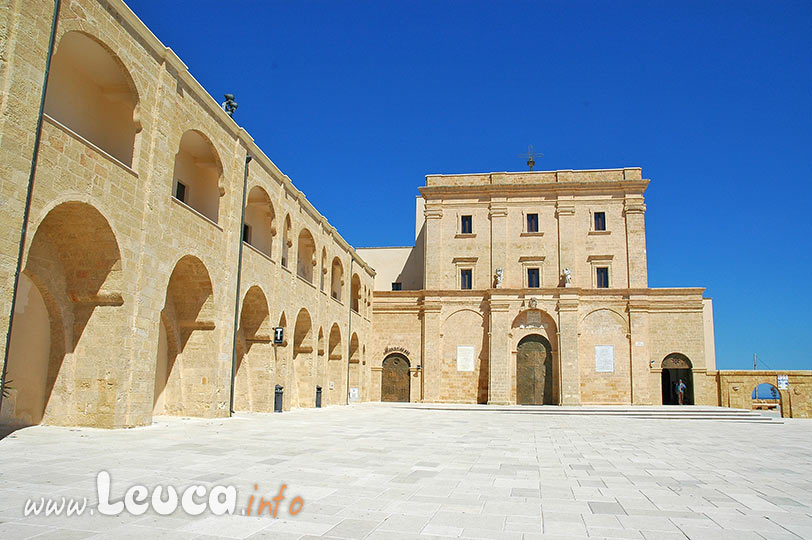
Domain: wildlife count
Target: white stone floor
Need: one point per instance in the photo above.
(386, 473)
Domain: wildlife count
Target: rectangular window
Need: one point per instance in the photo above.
(602, 277)
(466, 279)
(533, 277)
(600, 221)
(467, 225)
(180, 192)
(397, 286)
(246, 233)
(532, 223)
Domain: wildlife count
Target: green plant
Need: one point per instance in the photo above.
(7, 387)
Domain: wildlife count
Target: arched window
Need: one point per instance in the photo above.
(356, 293)
(259, 227)
(306, 256)
(287, 242)
(337, 279)
(90, 92)
(196, 178)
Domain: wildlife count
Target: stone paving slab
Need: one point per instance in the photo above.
(375, 471)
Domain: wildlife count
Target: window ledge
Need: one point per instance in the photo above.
(198, 214)
(257, 250)
(285, 268)
(465, 235)
(600, 233)
(532, 234)
(305, 280)
(336, 300)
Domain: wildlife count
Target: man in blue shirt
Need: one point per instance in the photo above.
(681, 391)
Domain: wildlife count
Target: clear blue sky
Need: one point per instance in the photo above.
(358, 101)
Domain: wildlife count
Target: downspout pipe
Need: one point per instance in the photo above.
(349, 332)
(248, 159)
(28, 195)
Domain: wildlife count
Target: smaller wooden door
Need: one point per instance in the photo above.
(395, 378)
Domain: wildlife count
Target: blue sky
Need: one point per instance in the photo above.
(358, 101)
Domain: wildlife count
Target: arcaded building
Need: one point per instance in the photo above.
(150, 239)
(532, 288)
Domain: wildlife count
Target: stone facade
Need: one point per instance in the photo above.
(524, 230)
(128, 288)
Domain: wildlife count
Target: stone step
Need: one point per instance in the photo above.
(687, 412)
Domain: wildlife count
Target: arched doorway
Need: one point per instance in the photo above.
(395, 378)
(534, 371)
(766, 399)
(676, 368)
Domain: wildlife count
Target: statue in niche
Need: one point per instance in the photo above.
(567, 277)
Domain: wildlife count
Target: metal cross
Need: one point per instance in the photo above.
(531, 155)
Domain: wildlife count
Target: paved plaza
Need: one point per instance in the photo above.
(388, 472)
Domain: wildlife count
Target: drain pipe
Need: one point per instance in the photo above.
(349, 332)
(248, 159)
(28, 195)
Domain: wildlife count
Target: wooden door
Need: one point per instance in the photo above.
(534, 377)
(395, 379)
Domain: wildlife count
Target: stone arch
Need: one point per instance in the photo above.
(91, 92)
(71, 288)
(395, 378)
(306, 255)
(620, 318)
(464, 328)
(335, 370)
(321, 358)
(303, 359)
(260, 221)
(603, 334)
(676, 367)
(356, 293)
(355, 365)
(771, 403)
(189, 364)
(336, 279)
(535, 371)
(198, 172)
(287, 241)
(253, 369)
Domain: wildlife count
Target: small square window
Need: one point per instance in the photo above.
(533, 277)
(602, 277)
(467, 225)
(532, 223)
(246, 233)
(180, 191)
(397, 286)
(466, 279)
(600, 221)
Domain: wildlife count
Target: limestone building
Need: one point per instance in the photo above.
(143, 212)
(532, 288)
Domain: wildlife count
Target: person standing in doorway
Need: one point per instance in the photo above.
(681, 391)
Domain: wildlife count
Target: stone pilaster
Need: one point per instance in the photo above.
(568, 348)
(635, 213)
(499, 376)
(567, 248)
(499, 237)
(432, 349)
(433, 278)
(639, 342)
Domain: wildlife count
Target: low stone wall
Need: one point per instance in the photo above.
(736, 390)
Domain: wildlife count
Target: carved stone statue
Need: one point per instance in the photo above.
(499, 275)
(567, 277)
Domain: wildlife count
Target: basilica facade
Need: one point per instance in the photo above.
(532, 288)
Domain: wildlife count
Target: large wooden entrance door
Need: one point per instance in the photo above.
(534, 371)
(395, 378)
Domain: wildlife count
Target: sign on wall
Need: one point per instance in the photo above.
(604, 358)
(354, 394)
(783, 382)
(465, 358)
(278, 335)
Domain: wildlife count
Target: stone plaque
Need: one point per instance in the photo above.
(783, 382)
(604, 358)
(465, 358)
(533, 319)
(354, 394)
